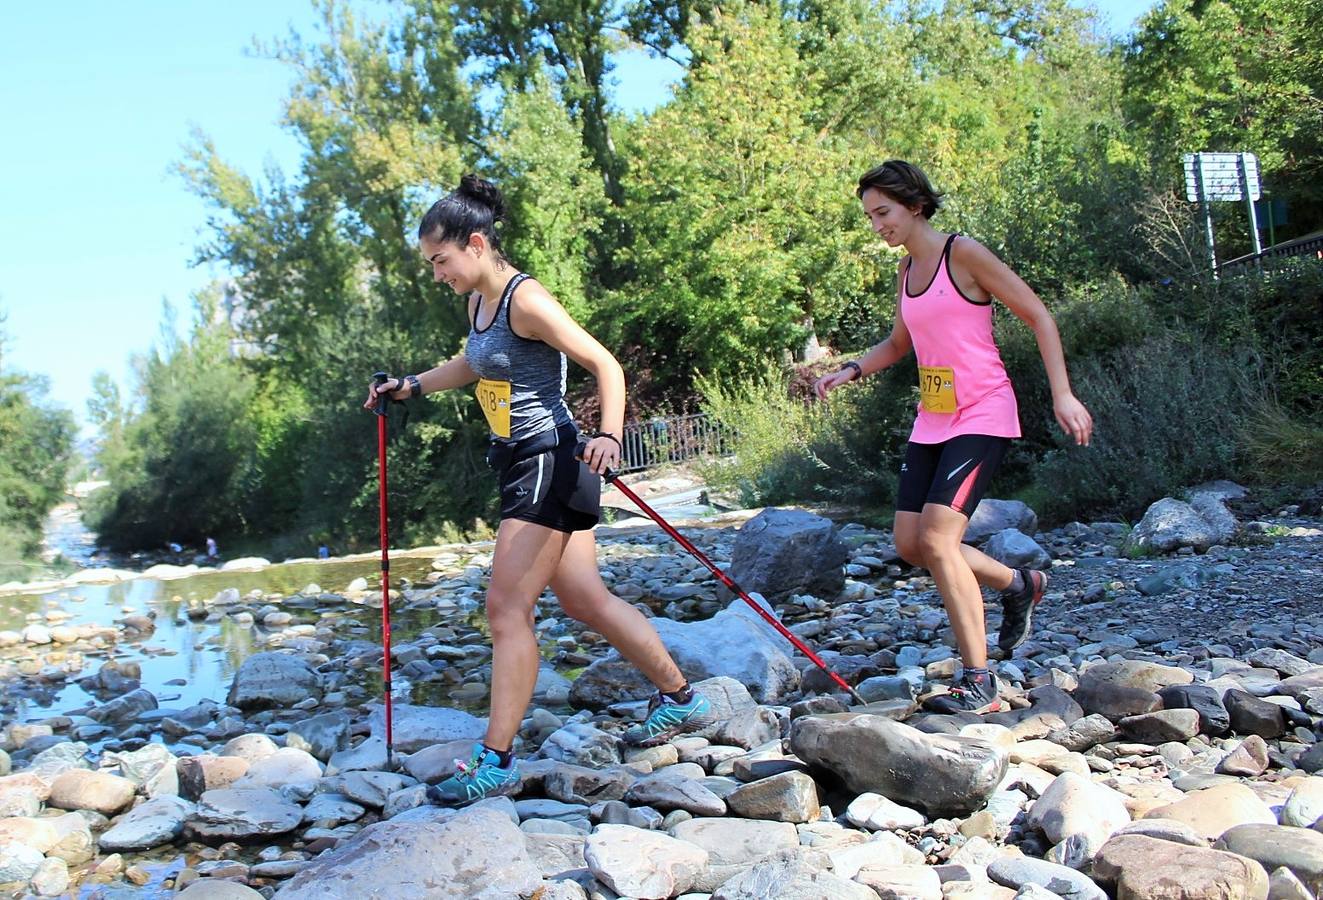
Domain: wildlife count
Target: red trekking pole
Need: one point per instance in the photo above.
(614, 479)
(383, 402)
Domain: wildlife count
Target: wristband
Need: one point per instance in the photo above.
(858, 372)
(607, 434)
(415, 387)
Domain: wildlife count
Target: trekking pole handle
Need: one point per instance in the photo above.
(383, 400)
(609, 476)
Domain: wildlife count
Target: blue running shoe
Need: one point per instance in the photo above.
(666, 719)
(477, 779)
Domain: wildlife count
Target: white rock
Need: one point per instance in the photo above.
(877, 813)
(1075, 805)
(644, 864)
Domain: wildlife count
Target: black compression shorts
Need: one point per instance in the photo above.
(542, 482)
(954, 473)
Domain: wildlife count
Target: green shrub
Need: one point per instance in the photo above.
(1163, 411)
(790, 447)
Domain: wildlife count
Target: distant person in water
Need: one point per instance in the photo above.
(212, 550)
(323, 552)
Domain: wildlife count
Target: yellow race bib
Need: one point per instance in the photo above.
(937, 389)
(494, 398)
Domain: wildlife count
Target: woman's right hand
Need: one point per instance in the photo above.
(831, 381)
(388, 388)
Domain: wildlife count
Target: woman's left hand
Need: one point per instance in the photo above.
(602, 453)
(1074, 419)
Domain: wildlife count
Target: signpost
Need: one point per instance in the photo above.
(1223, 176)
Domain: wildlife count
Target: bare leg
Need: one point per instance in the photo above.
(525, 558)
(940, 531)
(987, 570)
(579, 588)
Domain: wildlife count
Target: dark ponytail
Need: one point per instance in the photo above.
(475, 207)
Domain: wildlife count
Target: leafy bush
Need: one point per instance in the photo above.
(1163, 412)
(790, 447)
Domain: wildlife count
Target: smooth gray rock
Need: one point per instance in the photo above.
(416, 727)
(780, 552)
(240, 813)
(1016, 549)
(273, 681)
(1015, 872)
(1213, 717)
(943, 775)
(158, 821)
(734, 643)
(476, 854)
(320, 735)
(992, 516)
(1170, 524)
(788, 876)
(1298, 849)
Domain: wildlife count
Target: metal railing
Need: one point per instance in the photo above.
(1309, 245)
(674, 439)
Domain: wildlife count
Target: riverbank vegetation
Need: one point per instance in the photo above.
(36, 447)
(715, 239)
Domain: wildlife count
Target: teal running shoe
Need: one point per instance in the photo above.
(666, 719)
(477, 779)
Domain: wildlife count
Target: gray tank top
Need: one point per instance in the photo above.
(522, 386)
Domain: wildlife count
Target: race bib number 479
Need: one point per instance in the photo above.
(937, 389)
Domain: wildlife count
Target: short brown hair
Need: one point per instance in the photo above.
(903, 182)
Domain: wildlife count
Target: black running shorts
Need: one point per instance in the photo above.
(954, 473)
(542, 482)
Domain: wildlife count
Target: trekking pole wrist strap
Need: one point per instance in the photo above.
(607, 434)
(414, 385)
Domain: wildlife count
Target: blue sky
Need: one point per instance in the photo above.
(98, 101)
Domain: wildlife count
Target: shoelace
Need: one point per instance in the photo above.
(468, 769)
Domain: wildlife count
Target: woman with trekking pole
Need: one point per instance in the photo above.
(519, 339)
(967, 414)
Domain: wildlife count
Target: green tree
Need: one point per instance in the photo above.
(1230, 75)
(36, 447)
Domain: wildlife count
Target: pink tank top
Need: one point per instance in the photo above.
(955, 349)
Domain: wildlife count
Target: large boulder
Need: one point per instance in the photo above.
(992, 516)
(780, 552)
(158, 821)
(237, 814)
(1140, 866)
(1273, 846)
(274, 681)
(736, 642)
(635, 862)
(944, 775)
(1171, 524)
(475, 854)
(416, 727)
(1014, 548)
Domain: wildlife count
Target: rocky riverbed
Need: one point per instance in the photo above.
(1162, 736)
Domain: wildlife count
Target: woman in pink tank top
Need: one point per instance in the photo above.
(966, 416)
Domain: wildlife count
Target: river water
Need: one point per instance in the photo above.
(184, 661)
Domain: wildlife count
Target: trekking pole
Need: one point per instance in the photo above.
(380, 410)
(613, 478)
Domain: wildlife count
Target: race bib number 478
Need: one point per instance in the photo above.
(494, 398)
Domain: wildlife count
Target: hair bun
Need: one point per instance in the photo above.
(483, 191)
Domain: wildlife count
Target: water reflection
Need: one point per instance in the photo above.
(203, 656)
